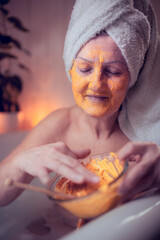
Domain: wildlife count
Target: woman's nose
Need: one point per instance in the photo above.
(96, 80)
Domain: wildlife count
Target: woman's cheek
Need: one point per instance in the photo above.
(120, 84)
(118, 91)
(78, 86)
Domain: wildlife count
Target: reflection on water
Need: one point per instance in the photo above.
(39, 227)
(32, 216)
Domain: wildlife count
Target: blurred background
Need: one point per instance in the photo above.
(45, 86)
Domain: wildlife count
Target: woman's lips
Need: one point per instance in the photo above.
(97, 98)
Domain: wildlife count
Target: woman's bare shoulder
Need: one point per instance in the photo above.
(50, 129)
(57, 120)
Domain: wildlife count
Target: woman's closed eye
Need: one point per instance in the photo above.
(112, 72)
(85, 70)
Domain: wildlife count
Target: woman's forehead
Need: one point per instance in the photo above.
(100, 47)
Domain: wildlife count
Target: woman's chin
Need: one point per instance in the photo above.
(96, 113)
(101, 112)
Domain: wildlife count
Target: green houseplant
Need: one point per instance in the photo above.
(10, 81)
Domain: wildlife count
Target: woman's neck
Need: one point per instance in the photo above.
(104, 126)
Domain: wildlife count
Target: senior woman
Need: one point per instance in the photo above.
(111, 56)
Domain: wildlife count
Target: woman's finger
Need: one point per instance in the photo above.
(56, 157)
(137, 149)
(131, 150)
(43, 175)
(135, 175)
(68, 173)
(75, 166)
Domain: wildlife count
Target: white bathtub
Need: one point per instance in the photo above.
(136, 220)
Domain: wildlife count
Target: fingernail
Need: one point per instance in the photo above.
(95, 179)
(79, 178)
(45, 180)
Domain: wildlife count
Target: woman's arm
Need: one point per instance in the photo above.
(36, 156)
(39, 162)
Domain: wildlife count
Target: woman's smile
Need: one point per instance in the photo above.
(96, 98)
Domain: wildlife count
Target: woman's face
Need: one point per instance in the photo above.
(100, 77)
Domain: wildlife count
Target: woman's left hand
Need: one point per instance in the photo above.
(145, 173)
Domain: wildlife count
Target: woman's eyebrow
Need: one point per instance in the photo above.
(85, 59)
(112, 62)
(104, 63)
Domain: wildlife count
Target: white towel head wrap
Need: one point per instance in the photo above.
(127, 26)
(132, 25)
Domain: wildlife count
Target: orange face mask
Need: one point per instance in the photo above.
(99, 77)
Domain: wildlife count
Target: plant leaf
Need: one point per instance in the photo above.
(7, 55)
(12, 80)
(6, 39)
(4, 2)
(24, 67)
(17, 23)
(26, 51)
(16, 43)
(2, 79)
(16, 82)
(4, 11)
(5, 46)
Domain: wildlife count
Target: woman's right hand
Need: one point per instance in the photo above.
(57, 157)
